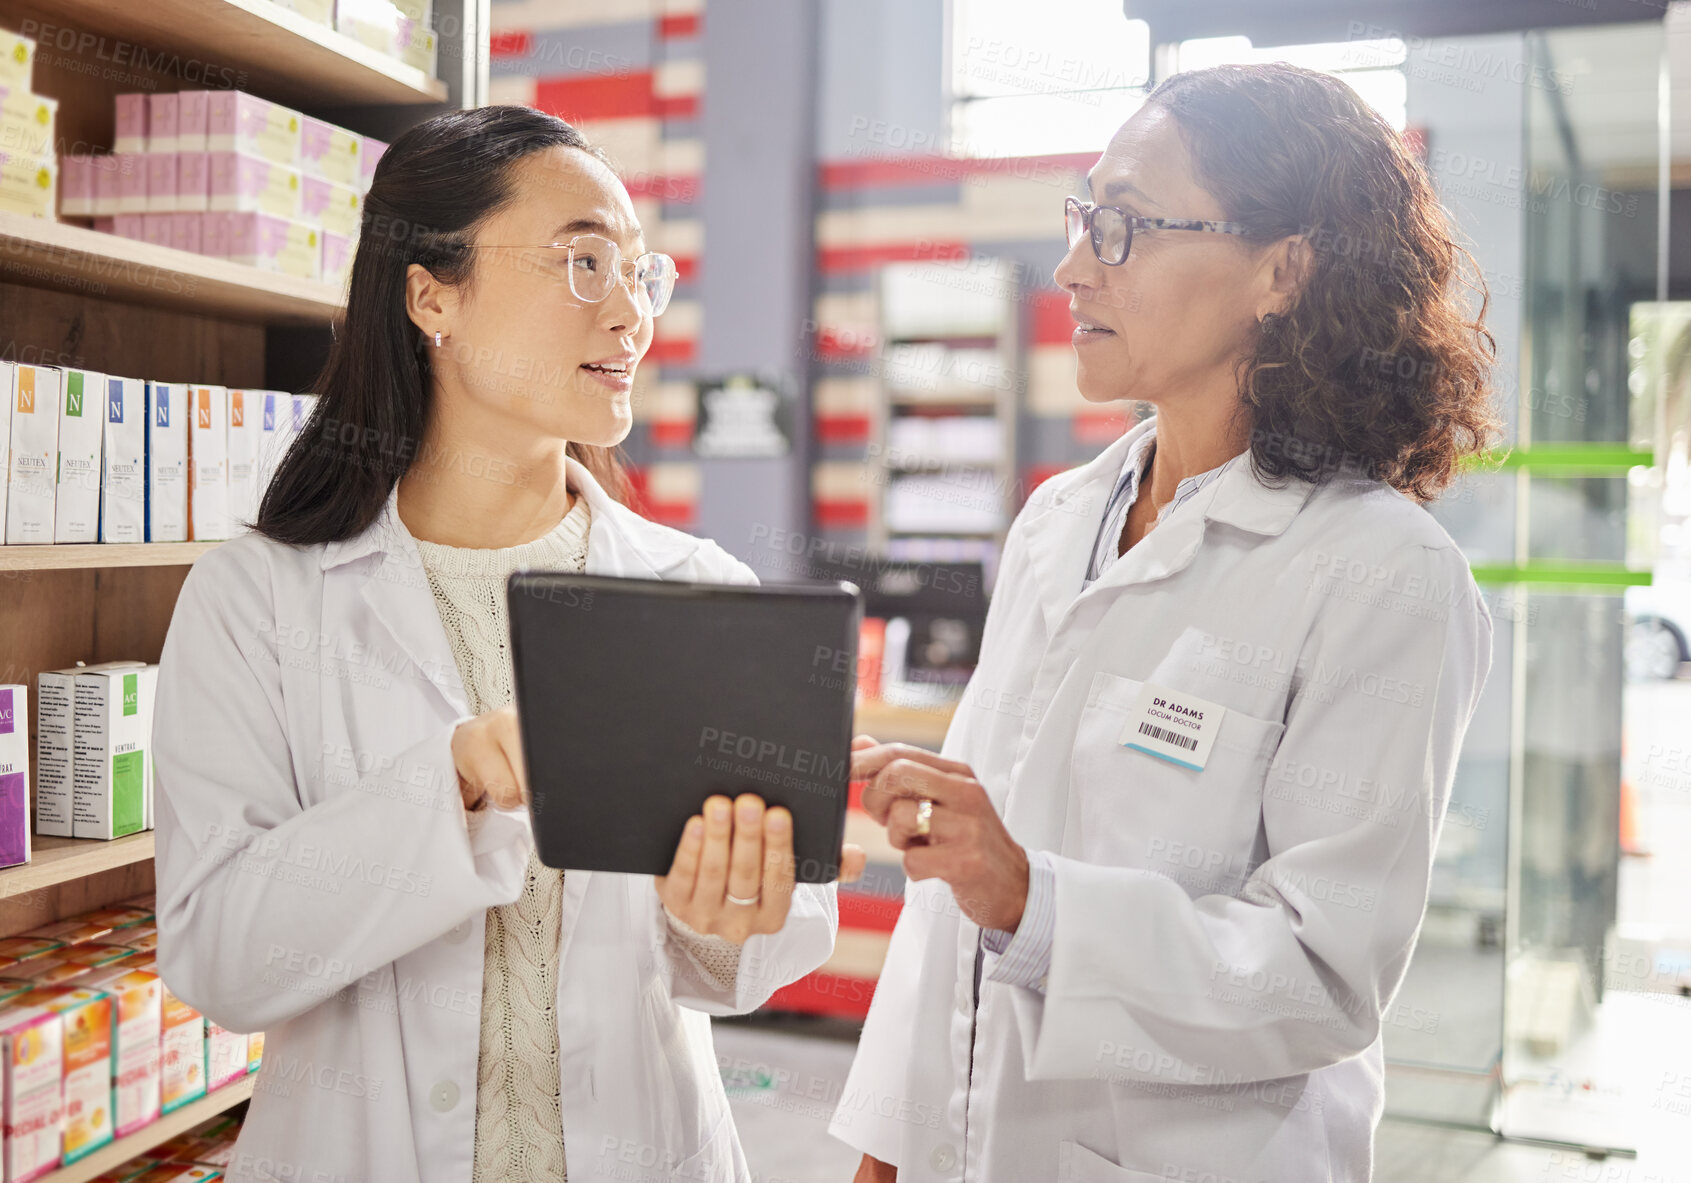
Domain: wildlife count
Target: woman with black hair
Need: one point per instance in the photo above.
(344, 858)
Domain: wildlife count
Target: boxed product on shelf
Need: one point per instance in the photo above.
(255, 1051)
(244, 183)
(338, 253)
(398, 28)
(330, 206)
(76, 184)
(246, 446)
(240, 122)
(24, 948)
(138, 1001)
(26, 122)
(129, 115)
(123, 483)
(277, 433)
(17, 59)
(32, 1058)
(193, 183)
(226, 1055)
(14, 775)
(96, 954)
(76, 500)
(149, 698)
(211, 1143)
(330, 152)
(193, 120)
(120, 917)
(156, 229)
(8, 385)
(45, 971)
(373, 152)
(264, 241)
(32, 474)
(55, 758)
(182, 1052)
(73, 930)
(167, 462)
(208, 463)
(161, 122)
(29, 185)
(115, 176)
(161, 182)
(143, 938)
(108, 771)
(132, 179)
(86, 1082)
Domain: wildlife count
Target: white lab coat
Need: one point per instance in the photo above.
(317, 879)
(1225, 941)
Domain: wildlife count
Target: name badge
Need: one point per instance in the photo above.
(1173, 725)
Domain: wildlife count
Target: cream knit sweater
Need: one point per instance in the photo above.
(519, 1118)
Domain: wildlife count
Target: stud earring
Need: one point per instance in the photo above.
(437, 338)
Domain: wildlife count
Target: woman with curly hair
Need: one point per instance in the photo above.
(1169, 869)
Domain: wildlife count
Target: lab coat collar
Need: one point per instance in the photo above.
(620, 541)
(1061, 537)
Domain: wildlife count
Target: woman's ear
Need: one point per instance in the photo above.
(1282, 273)
(428, 302)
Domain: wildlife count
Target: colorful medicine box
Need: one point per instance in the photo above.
(243, 183)
(138, 998)
(14, 775)
(33, 475)
(208, 463)
(87, 1077)
(241, 122)
(32, 1058)
(167, 462)
(330, 152)
(109, 767)
(123, 482)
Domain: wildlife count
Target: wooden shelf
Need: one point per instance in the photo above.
(43, 253)
(80, 555)
(144, 1139)
(919, 725)
(275, 52)
(60, 860)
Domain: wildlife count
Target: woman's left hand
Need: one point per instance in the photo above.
(967, 845)
(738, 848)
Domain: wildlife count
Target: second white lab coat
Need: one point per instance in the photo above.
(318, 881)
(1227, 942)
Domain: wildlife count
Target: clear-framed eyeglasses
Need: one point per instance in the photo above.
(594, 265)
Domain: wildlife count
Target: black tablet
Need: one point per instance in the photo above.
(640, 698)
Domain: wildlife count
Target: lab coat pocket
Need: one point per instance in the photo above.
(1077, 1164)
(683, 1089)
(1129, 808)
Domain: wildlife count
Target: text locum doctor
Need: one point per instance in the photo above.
(1172, 861)
(345, 860)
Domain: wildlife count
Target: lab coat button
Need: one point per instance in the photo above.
(943, 1157)
(458, 932)
(443, 1096)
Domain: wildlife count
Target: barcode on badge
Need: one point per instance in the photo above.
(1174, 737)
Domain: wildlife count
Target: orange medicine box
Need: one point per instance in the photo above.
(255, 1050)
(32, 1063)
(226, 1055)
(182, 1052)
(136, 1083)
(23, 948)
(87, 1080)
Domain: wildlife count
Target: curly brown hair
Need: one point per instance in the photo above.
(1380, 367)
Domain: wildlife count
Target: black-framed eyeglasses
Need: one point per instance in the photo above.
(1112, 229)
(594, 264)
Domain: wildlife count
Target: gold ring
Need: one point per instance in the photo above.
(734, 899)
(924, 817)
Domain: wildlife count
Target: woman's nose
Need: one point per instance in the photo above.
(1077, 270)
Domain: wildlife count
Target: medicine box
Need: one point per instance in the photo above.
(108, 768)
(76, 511)
(138, 998)
(32, 1058)
(246, 443)
(123, 484)
(167, 462)
(14, 775)
(208, 463)
(86, 1081)
(33, 472)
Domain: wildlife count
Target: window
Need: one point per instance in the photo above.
(1031, 79)
(1374, 69)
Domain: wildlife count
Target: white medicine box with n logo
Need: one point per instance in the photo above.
(34, 467)
(167, 462)
(208, 463)
(76, 513)
(123, 485)
(1172, 725)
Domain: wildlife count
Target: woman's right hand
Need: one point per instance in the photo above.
(488, 753)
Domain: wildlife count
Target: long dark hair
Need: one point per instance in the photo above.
(434, 186)
(1381, 367)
